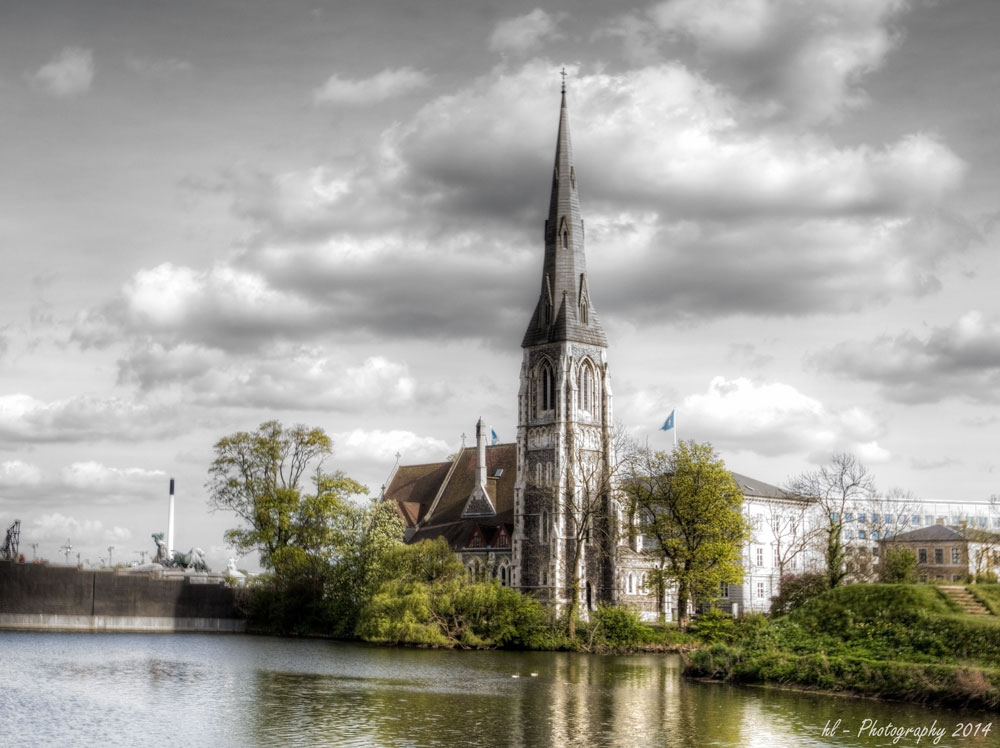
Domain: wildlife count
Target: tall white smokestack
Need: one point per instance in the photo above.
(170, 523)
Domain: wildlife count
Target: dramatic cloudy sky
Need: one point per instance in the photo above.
(215, 213)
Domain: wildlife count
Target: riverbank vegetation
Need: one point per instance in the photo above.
(900, 641)
(334, 567)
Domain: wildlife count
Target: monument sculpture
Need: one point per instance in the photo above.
(193, 559)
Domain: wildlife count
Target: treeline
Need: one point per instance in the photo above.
(336, 568)
(421, 595)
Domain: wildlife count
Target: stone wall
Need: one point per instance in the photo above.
(61, 597)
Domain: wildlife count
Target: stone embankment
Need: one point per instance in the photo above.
(39, 597)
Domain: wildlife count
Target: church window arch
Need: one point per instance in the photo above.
(503, 574)
(631, 583)
(586, 390)
(546, 388)
(565, 239)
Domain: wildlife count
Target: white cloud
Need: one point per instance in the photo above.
(732, 25)
(70, 73)
(57, 527)
(380, 447)
(670, 172)
(794, 59)
(93, 475)
(15, 473)
(24, 418)
(221, 305)
(384, 85)
(278, 377)
(523, 33)
(773, 418)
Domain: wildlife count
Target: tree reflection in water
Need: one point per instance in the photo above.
(222, 690)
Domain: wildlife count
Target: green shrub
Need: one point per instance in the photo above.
(898, 565)
(455, 613)
(891, 640)
(619, 627)
(714, 627)
(798, 589)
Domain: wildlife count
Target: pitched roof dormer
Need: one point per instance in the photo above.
(564, 268)
(480, 503)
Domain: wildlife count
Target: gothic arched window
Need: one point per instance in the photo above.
(546, 388)
(586, 394)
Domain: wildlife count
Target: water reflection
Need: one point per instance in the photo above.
(119, 690)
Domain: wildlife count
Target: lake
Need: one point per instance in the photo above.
(231, 690)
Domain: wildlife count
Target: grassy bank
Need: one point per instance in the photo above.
(893, 641)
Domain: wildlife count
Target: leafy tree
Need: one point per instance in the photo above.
(897, 565)
(427, 561)
(690, 506)
(797, 590)
(840, 488)
(365, 563)
(324, 550)
(426, 598)
(259, 476)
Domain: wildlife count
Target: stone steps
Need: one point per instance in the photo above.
(965, 600)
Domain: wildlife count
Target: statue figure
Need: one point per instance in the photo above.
(197, 560)
(161, 550)
(232, 571)
(193, 559)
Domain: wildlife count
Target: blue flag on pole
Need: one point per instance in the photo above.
(493, 436)
(669, 423)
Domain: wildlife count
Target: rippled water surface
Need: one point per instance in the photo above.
(220, 691)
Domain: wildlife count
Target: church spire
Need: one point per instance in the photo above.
(564, 311)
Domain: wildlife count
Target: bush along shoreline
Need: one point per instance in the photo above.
(422, 596)
(895, 641)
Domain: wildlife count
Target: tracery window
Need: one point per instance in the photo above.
(546, 388)
(585, 392)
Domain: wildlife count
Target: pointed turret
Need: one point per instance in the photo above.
(564, 311)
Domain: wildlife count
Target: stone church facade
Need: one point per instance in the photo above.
(542, 514)
(539, 514)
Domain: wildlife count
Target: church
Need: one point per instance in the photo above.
(541, 514)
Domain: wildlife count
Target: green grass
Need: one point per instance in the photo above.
(988, 595)
(897, 641)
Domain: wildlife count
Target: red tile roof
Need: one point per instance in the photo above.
(414, 488)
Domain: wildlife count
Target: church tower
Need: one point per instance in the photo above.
(564, 529)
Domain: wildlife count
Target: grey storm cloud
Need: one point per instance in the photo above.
(957, 361)
(435, 232)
